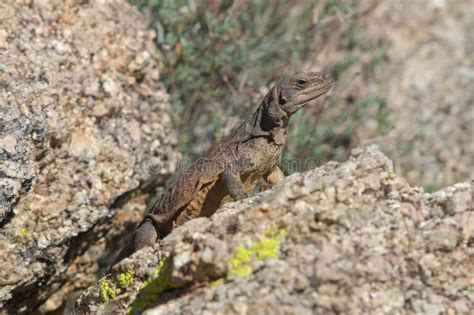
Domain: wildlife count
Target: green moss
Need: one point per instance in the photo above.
(151, 289)
(23, 233)
(389, 180)
(239, 264)
(266, 247)
(269, 245)
(217, 282)
(125, 279)
(106, 291)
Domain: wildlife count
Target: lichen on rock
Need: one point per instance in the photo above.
(125, 279)
(106, 291)
(265, 248)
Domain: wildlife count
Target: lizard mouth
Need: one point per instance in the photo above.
(306, 96)
(317, 90)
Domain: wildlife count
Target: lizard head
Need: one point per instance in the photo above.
(294, 91)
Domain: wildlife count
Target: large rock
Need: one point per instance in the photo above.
(349, 238)
(83, 121)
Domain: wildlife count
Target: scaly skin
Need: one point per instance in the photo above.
(232, 168)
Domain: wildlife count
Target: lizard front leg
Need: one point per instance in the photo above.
(145, 235)
(234, 184)
(274, 176)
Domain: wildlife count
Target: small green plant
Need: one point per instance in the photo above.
(379, 57)
(269, 244)
(23, 233)
(345, 64)
(239, 265)
(23, 237)
(339, 6)
(431, 188)
(266, 247)
(106, 290)
(125, 279)
(151, 289)
(217, 282)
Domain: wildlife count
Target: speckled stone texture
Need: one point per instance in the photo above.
(359, 240)
(83, 121)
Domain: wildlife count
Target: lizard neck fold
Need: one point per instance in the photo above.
(269, 120)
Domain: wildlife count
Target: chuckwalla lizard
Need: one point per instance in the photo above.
(232, 167)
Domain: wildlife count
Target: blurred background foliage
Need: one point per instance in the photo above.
(220, 57)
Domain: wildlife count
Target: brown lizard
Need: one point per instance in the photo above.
(232, 168)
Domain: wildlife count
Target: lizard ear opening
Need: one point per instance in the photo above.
(281, 99)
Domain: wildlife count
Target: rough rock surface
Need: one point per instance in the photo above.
(82, 119)
(350, 238)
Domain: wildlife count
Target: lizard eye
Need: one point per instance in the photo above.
(301, 82)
